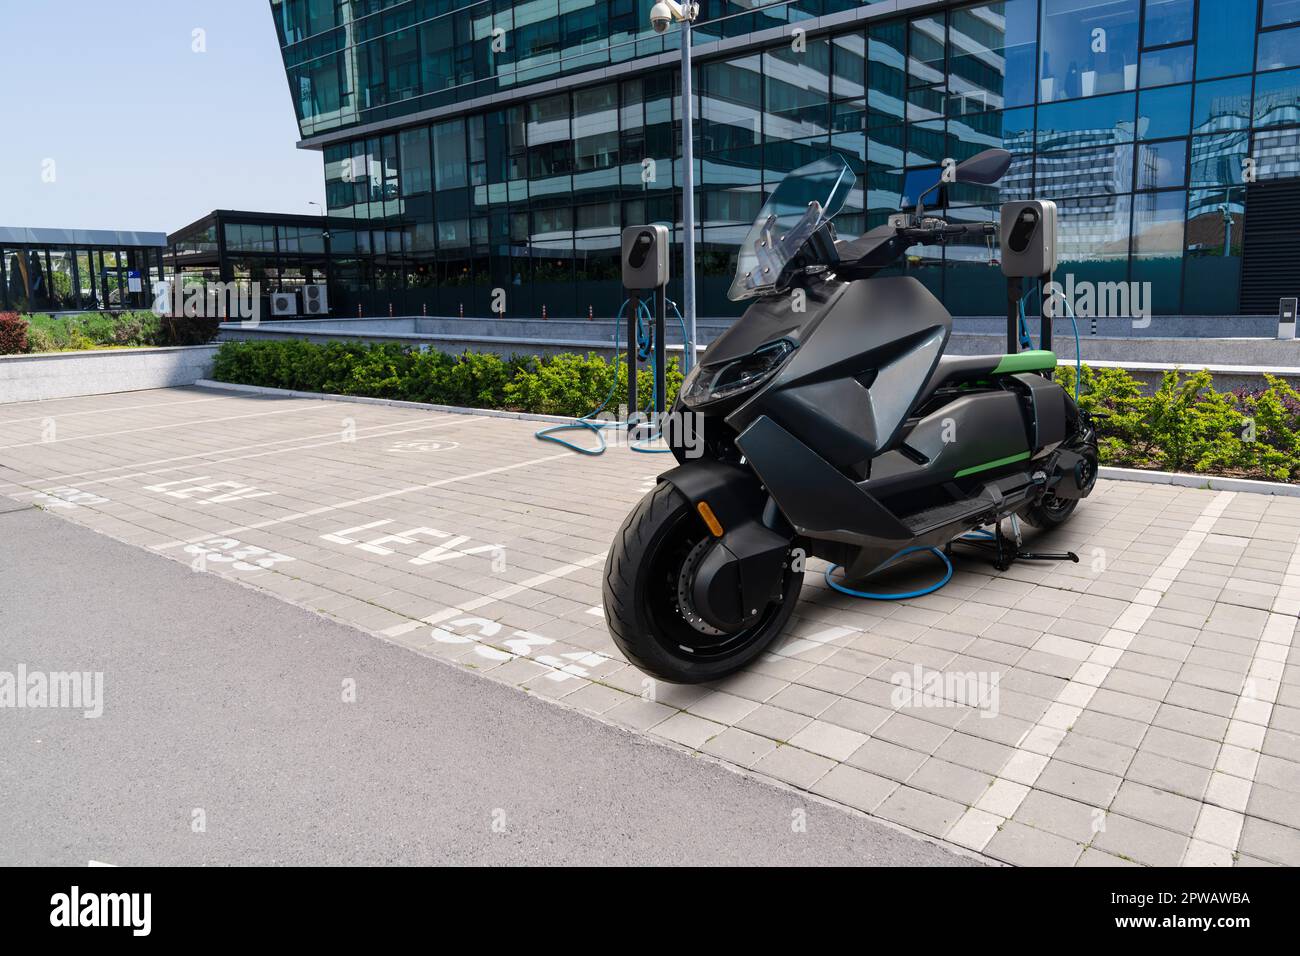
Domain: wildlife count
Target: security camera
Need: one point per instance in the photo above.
(661, 17)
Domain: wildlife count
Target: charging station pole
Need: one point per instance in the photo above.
(633, 313)
(1015, 287)
(645, 267)
(661, 309)
(1047, 308)
(1027, 239)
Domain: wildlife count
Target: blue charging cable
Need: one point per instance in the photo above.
(978, 535)
(645, 352)
(586, 423)
(873, 596)
(1026, 342)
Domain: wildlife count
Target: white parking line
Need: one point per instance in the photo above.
(1217, 833)
(344, 505)
(981, 822)
(500, 594)
(154, 428)
(445, 422)
(105, 411)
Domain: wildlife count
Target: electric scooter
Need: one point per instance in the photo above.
(835, 426)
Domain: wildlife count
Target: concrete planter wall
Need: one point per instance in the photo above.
(30, 378)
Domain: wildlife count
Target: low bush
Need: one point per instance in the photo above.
(185, 330)
(13, 333)
(558, 385)
(88, 330)
(1184, 424)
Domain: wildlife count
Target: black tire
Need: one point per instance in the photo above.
(642, 609)
(1051, 511)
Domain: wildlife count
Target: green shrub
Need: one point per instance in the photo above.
(560, 385)
(1185, 425)
(133, 329)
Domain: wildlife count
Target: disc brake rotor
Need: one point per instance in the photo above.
(686, 583)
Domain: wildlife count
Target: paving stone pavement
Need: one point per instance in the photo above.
(1140, 707)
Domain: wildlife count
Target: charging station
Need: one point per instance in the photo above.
(645, 272)
(1027, 237)
(1286, 318)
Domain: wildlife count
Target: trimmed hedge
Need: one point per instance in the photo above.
(565, 384)
(1181, 425)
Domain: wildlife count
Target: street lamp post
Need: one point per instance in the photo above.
(662, 14)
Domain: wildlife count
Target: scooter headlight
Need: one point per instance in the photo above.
(707, 384)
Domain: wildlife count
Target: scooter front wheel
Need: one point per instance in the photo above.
(648, 578)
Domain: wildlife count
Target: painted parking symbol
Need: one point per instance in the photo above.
(236, 554)
(447, 546)
(478, 631)
(68, 498)
(421, 446)
(205, 491)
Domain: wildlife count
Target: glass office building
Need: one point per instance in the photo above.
(503, 145)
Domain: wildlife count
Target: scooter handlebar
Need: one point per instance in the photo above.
(940, 233)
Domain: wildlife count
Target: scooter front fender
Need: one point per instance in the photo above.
(733, 493)
(741, 572)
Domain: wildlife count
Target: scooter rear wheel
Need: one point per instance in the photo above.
(646, 595)
(1052, 512)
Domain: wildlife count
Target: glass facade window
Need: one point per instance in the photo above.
(1279, 12)
(1168, 21)
(1224, 38)
(1278, 49)
(1277, 99)
(1089, 47)
(1166, 66)
(416, 161)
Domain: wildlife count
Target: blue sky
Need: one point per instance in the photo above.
(143, 132)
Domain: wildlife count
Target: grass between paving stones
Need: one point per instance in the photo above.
(1181, 425)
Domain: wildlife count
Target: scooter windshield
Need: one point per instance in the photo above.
(806, 198)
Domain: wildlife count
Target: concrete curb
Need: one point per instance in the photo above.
(1208, 482)
(395, 403)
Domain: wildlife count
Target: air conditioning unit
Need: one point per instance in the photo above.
(284, 303)
(315, 300)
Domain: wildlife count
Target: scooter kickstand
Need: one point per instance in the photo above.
(1006, 551)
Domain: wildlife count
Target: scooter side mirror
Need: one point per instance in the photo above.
(984, 169)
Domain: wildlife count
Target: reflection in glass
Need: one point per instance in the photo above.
(1168, 21)
(1101, 58)
(1277, 99)
(1160, 165)
(1222, 105)
(1164, 112)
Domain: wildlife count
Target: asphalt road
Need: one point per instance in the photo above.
(225, 739)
